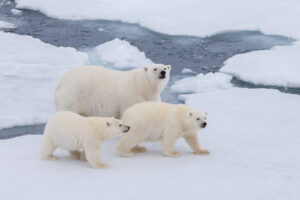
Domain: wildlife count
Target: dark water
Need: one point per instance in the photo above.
(202, 55)
(243, 84)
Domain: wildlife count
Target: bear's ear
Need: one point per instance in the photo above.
(190, 114)
(108, 124)
(205, 114)
(169, 66)
(145, 68)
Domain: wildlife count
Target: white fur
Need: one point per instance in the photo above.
(73, 132)
(156, 121)
(98, 91)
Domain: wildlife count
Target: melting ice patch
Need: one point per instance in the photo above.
(279, 66)
(121, 54)
(202, 83)
(29, 72)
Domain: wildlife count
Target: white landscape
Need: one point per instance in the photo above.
(252, 134)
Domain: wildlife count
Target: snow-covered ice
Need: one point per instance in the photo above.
(191, 17)
(29, 72)
(279, 66)
(4, 24)
(253, 136)
(121, 54)
(202, 83)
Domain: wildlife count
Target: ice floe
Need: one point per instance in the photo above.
(29, 72)
(121, 54)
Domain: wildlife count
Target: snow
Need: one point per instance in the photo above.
(121, 54)
(253, 136)
(191, 17)
(202, 83)
(16, 12)
(29, 72)
(279, 66)
(4, 24)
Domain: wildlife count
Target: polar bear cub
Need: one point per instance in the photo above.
(98, 91)
(155, 121)
(73, 132)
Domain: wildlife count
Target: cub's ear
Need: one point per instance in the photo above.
(205, 114)
(190, 114)
(108, 124)
(168, 66)
(145, 68)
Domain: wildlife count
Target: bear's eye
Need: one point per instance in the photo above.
(165, 69)
(198, 118)
(155, 69)
(120, 125)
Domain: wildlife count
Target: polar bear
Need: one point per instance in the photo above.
(154, 121)
(73, 132)
(98, 91)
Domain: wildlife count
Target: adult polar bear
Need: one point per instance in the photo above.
(98, 91)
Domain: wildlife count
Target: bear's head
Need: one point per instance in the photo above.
(115, 127)
(195, 120)
(158, 73)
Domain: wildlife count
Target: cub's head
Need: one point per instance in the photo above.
(195, 120)
(115, 127)
(158, 73)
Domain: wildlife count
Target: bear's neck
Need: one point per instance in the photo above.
(182, 111)
(100, 130)
(145, 87)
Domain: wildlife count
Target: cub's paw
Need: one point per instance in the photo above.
(101, 166)
(50, 157)
(202, 152)
(138, 149)
(130, 154)
(173, 154)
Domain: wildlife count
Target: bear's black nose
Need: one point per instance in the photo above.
(204, 124)
(163, 73)
(127, 129)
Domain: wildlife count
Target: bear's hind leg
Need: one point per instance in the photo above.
(48, 149)
(127, 144)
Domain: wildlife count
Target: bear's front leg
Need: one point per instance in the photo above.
(168, 144)
(93, 157)
(193, 142)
